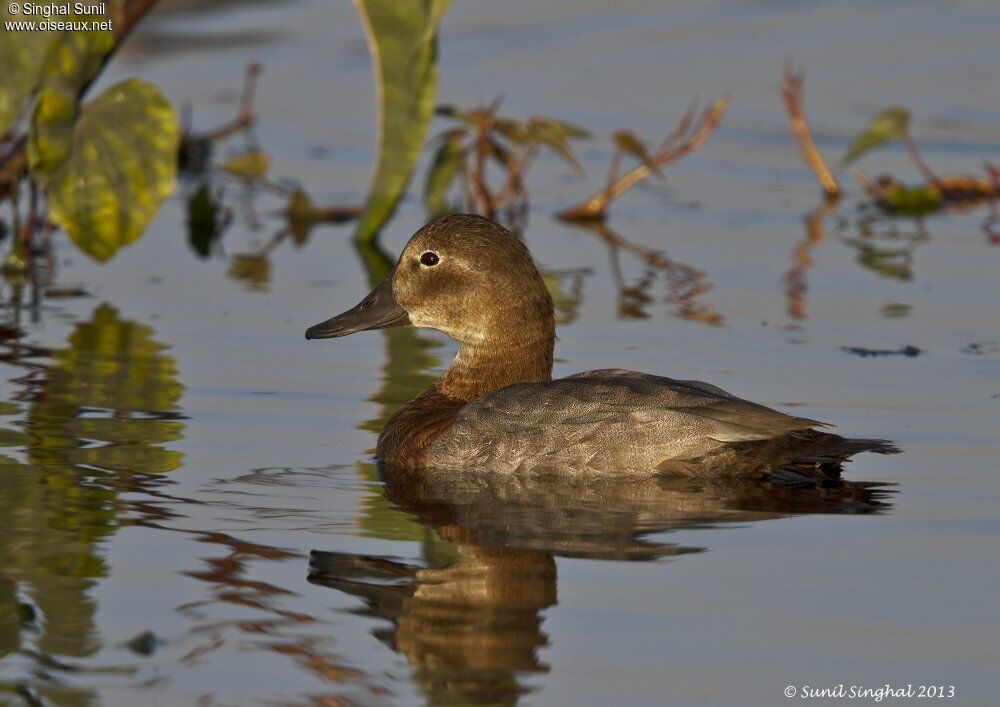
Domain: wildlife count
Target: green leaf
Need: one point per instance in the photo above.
(627, 142)
(75, 57)
(441, 175)
(401, 38)
(249, 165)
(514, 130)
(65, 60)
(552, 136)
(21, 55)
(911, 201)
(887, 125)
(51, 135)
(106, 173)
(203, 221)
(568, 130)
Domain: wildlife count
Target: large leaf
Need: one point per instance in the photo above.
(106, 173)
(401, 37)
(75, 56)
(66, 59)
(887, 125)
(21, 56)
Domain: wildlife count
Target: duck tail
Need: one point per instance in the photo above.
(823, 463)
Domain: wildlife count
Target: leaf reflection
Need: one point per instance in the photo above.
(95, 424)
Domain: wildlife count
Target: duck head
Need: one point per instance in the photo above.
(463, 275)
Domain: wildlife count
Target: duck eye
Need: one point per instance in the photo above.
(429, 258)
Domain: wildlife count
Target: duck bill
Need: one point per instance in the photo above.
(379, 310)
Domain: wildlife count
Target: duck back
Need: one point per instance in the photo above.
(617, 420)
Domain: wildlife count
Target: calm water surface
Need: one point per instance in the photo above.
(189, 513)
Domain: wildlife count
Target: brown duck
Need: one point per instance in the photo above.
(497, 408)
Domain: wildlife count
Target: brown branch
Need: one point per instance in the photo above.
(485, 201)
(514, 194)
(594, 208)
(791, 94)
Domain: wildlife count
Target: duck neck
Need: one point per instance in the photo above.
(496, 362)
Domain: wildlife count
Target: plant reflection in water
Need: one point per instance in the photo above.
(95, 422)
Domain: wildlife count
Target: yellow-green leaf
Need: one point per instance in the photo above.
(249, 165)
(21, 55)
(75, 57)
(401, 38)
(887, 125)
(514, 130)
(119, 163)
(52, 131)
(908, 200)
(567, 129)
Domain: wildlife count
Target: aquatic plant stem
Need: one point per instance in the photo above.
(791, 94)
(595, 207)
(911, 149)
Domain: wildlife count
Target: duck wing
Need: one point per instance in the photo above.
(604, 420)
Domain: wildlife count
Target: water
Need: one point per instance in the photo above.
(190, 514)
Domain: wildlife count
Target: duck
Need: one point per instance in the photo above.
(497, 408)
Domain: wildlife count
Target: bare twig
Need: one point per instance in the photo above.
(245, 118)
(485, 201)
(791, 94)
(595, 206)
(911, 149)
(514, 194)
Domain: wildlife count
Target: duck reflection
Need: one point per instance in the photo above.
(470, 621)
(468, 617)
